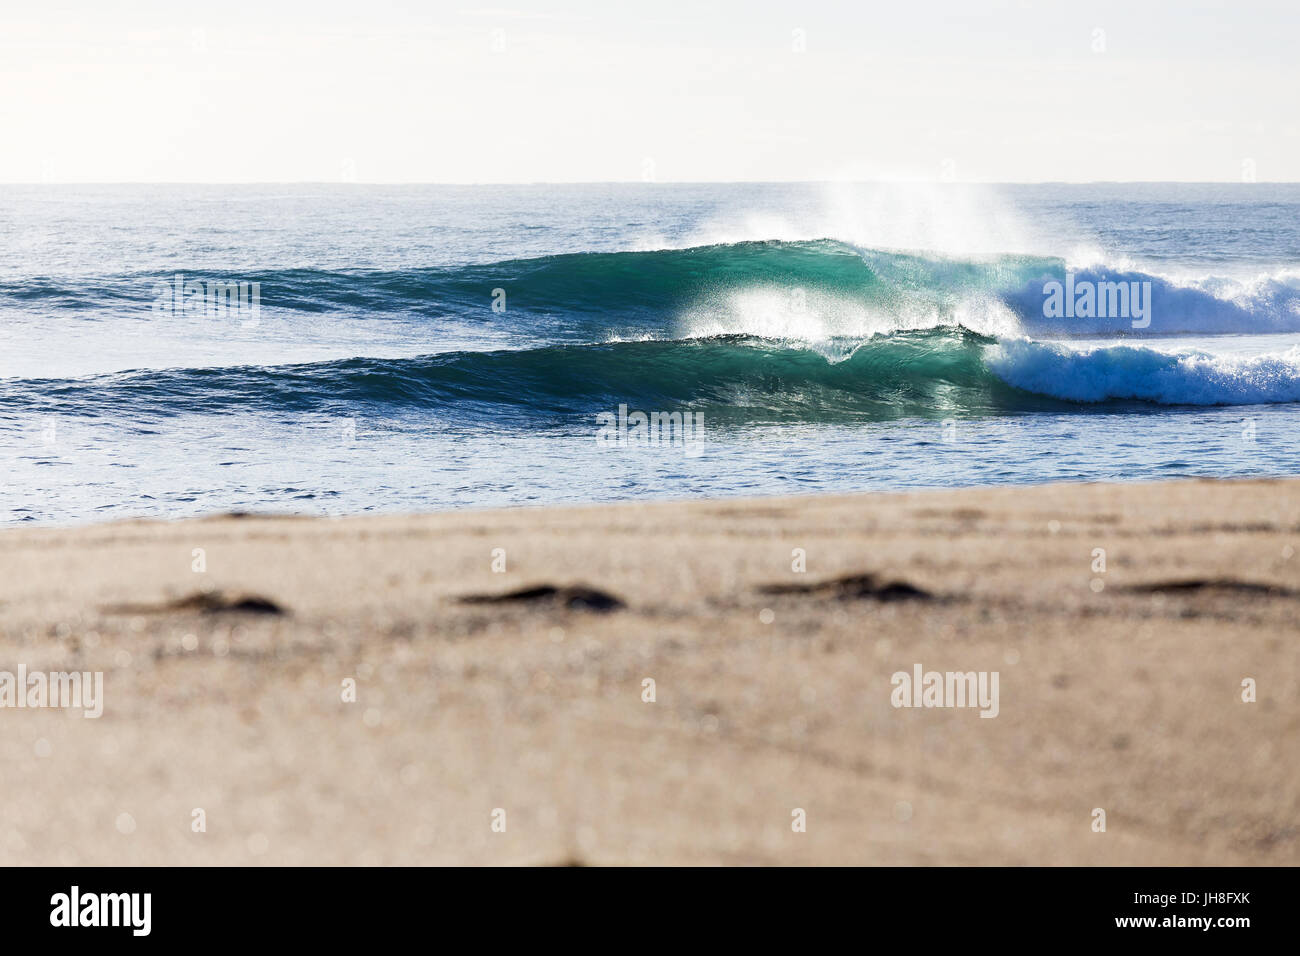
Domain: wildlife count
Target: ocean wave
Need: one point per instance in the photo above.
(926, 373)
(800, 290)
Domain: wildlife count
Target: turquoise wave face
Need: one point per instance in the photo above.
(841, 288)
(606, 284)
(739, 379)
(734, 377)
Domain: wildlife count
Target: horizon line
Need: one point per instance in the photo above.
(667, 182)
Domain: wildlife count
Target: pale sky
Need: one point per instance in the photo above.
(386, 91)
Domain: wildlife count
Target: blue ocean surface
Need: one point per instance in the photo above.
(337, 349)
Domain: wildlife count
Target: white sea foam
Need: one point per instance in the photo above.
(808, 316)
(1146, 374)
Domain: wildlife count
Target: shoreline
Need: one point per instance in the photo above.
(223, 687)
(75, 524)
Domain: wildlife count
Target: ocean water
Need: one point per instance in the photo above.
(433, 347)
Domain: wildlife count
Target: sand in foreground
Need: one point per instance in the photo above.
(772, 686)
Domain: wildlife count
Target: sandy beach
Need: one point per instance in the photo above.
(227, 646)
